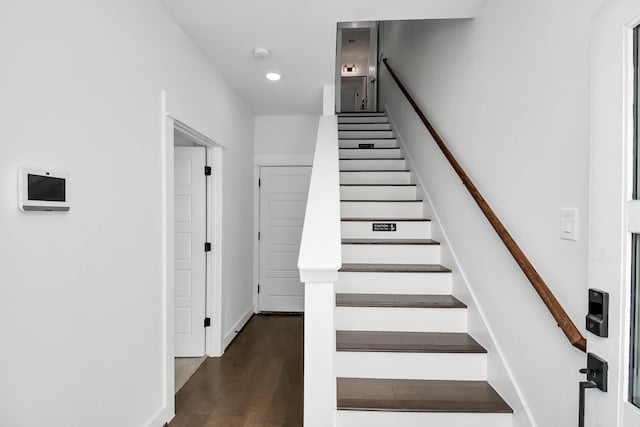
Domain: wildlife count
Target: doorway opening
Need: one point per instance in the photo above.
(193, 249)
(191, 258)
(357, 67)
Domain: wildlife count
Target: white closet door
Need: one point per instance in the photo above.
(283, 200)
(190, 258)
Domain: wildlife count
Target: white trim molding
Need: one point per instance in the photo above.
(235, 330)
(214, 282)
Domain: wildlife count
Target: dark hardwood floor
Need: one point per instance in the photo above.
(258, 381)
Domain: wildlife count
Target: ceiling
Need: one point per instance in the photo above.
(301, 36)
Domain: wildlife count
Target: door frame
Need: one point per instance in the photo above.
(613, 215)
(372, 102)
(214, 345)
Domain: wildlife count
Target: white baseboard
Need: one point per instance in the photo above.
(161, 418)
(231, 334)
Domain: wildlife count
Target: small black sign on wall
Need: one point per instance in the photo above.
(384, 226)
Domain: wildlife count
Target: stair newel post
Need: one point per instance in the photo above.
(319, 260)
(319, 355)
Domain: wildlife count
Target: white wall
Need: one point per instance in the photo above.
(81, 298)
(509, 93)
(287, 139)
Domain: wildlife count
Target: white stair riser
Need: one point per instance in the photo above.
(394, 283)
(413, 366)
(354, 130)
(365, 134)
(377, 119)
(366, 153)
(377, 143)
(375, 177)
(401, 319)
(364, 126)
(404, 230)
(391, 254)
(363, 114)
(421, 419)
(373, 164)
(378, 193)
(381, 209)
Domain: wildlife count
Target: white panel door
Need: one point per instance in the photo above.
(283, 200)
(190, 258)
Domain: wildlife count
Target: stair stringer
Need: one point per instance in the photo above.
(500, 375)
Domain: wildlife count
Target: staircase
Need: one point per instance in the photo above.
(403, 354)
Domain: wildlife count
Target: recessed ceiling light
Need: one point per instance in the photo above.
(274, 77)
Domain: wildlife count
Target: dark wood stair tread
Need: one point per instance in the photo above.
(362, 114)
(372, 158)
(385, 219)
(407, 342)
(376, 170)
(377, 185)
(398, 300)
(389, 242)
(394, 268)
(368, 394)
(382, 201)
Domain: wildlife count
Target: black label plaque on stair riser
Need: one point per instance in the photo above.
(384, 226)
(365, 145)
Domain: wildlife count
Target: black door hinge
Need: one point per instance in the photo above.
(207, 322)
(258, 235)
(259, 182)
(258, 288)
(207, 246)
(207, 170)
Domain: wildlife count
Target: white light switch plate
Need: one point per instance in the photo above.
(568, 223)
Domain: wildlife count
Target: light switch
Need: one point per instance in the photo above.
(568, 225)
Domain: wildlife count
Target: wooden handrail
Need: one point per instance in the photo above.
(558, 313)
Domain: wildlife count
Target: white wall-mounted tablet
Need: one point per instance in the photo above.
(40, 190)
